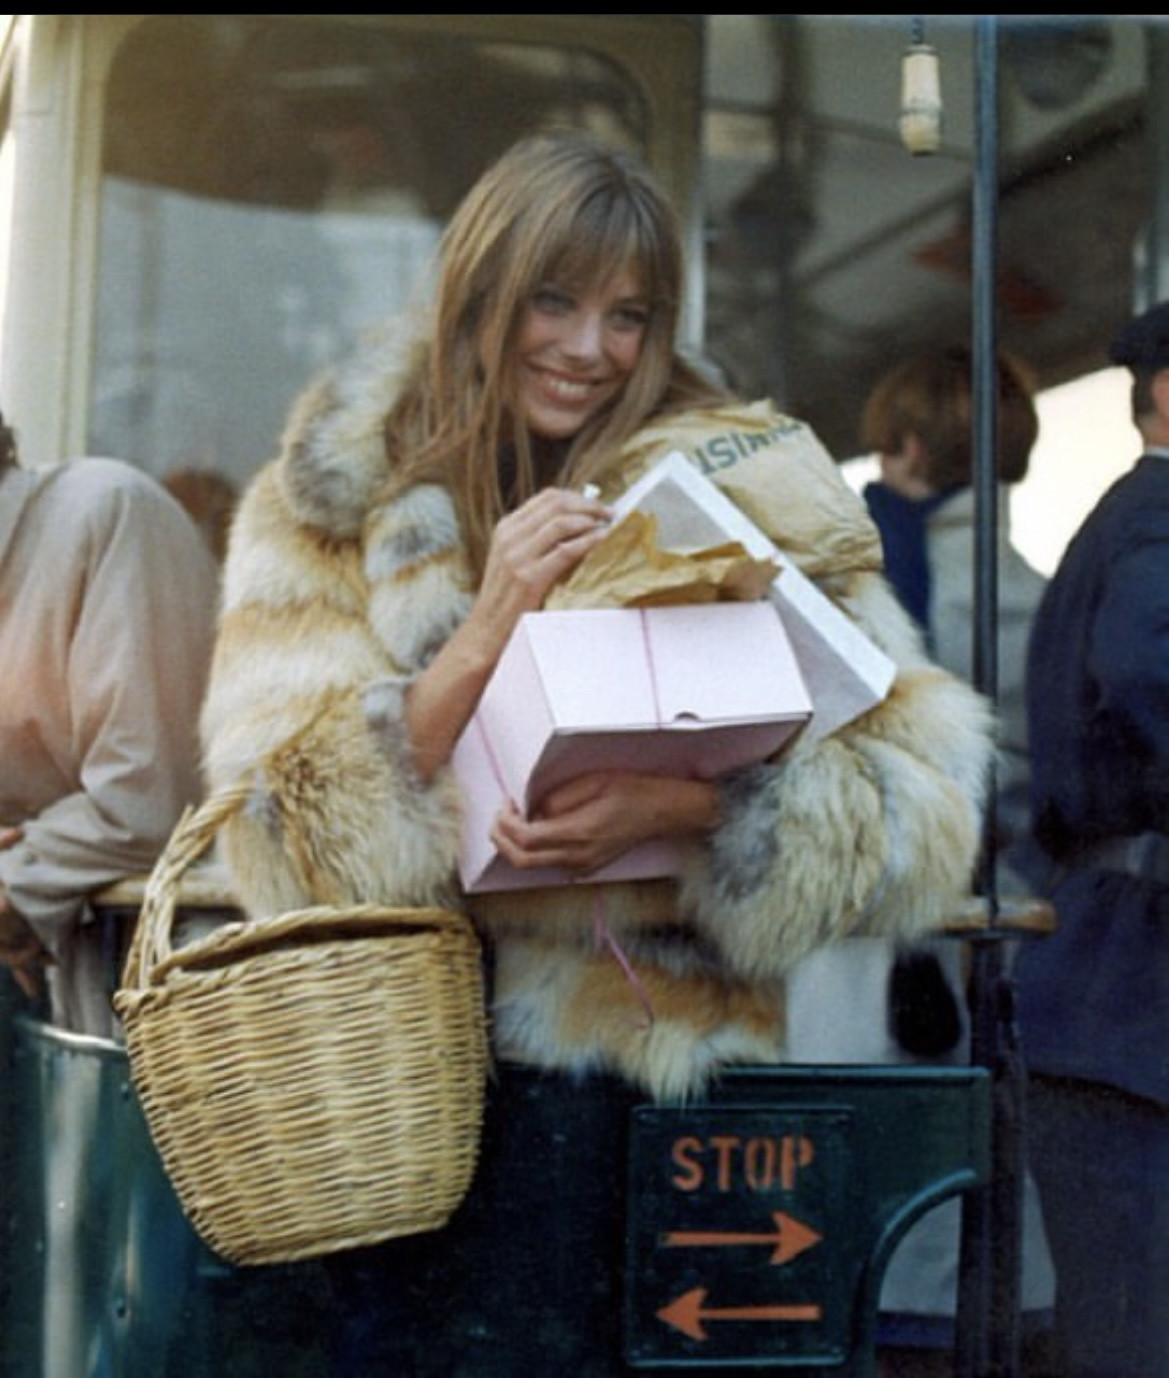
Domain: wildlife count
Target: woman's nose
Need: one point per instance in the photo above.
(583, 340)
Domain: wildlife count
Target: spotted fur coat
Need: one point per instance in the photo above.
(333, 598)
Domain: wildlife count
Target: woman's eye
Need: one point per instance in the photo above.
(631, 317)
(551, 299)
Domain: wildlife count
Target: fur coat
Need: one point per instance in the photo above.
(334, 597)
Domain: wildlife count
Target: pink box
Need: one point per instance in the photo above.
(691, 690)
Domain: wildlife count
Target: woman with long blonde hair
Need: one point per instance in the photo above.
(428, 493)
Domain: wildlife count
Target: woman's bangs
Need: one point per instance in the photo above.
(601, 241)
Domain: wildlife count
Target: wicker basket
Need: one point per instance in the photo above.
(313, 1082)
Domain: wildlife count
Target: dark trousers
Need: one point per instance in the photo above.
(1101, 1162)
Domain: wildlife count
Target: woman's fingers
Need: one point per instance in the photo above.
(593, 826)
(545, 538)
(527, 845)
(531, 550)
(591, 820)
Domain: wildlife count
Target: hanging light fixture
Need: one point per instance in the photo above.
(921, 94)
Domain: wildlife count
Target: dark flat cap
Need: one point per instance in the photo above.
(1144, 341)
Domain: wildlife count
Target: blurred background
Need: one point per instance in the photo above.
(201, 210)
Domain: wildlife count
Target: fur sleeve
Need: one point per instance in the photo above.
(872, 831)
(305, 701)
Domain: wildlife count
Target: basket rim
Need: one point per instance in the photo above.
(317, 924)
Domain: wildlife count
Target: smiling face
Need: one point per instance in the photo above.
(575, 351)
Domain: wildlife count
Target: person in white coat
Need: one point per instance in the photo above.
(918, 419)
(876, 1001)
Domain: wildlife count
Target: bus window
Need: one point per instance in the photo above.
(271, 186)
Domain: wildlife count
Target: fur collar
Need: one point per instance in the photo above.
(333, 458)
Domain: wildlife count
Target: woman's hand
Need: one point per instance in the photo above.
(531, 549)
(592, 820)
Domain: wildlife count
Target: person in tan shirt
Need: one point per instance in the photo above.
(107, 603)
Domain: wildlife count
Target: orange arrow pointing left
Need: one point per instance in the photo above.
(687, 1313)
(791, 1237)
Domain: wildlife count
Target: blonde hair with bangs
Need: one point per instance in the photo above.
(561, 209)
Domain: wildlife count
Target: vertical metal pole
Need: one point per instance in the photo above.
(988, 1309)
(1154, 285)
(984, 344)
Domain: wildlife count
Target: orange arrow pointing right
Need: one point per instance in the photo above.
(791, 1237)
(687, 1314)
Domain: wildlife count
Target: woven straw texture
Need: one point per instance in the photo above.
(313, 1082)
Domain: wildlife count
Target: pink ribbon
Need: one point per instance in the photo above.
(604, 938)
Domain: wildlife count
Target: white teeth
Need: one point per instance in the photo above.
(568, 390)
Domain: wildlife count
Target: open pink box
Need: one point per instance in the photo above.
(693, 690)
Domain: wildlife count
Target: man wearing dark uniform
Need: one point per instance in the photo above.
(1093, 999)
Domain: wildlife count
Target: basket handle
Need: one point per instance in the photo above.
(193, 834)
